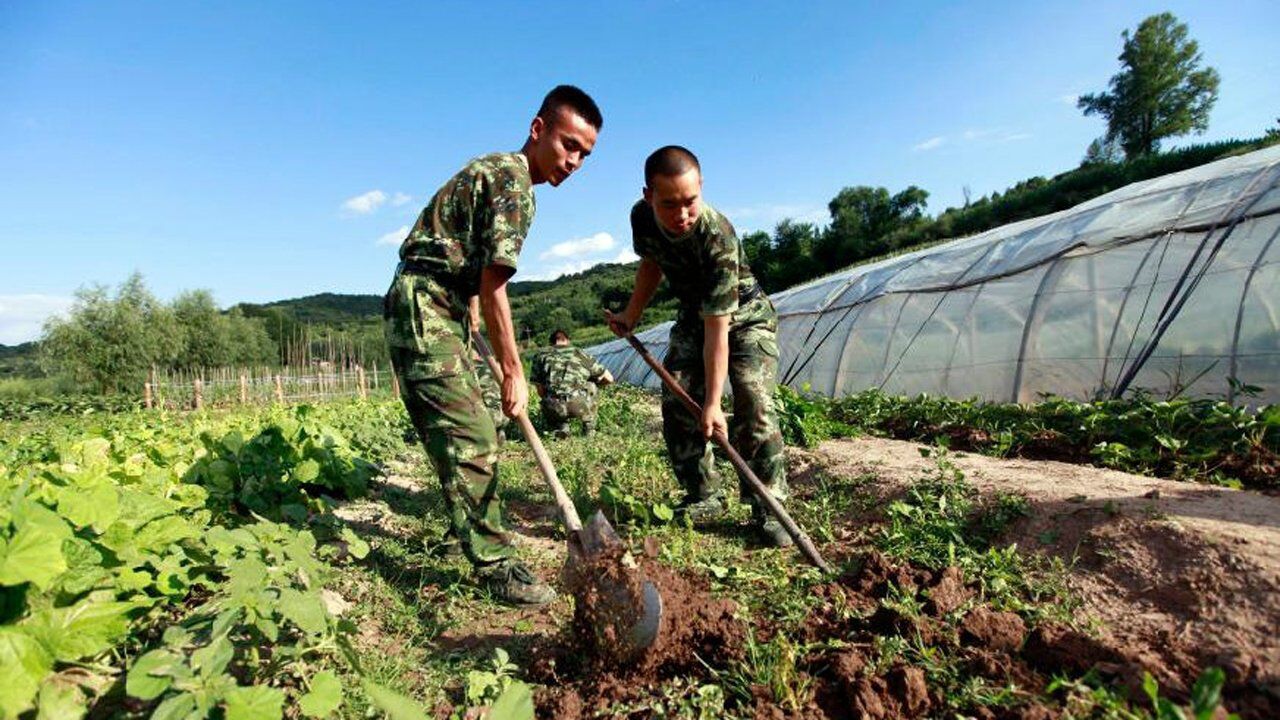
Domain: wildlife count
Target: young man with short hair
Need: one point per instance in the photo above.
(566, 378)
(466, 242)
(726, 329)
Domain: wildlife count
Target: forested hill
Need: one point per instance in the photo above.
(322, 308)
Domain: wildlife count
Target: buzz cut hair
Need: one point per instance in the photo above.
(669, 161)
(575, 99)
(557, 334)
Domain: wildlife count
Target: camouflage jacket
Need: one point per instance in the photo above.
(478, 218)
(566, 372)
(707, 267)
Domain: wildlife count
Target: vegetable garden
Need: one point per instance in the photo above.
(285, 562)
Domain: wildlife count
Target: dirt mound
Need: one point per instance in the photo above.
(582, 665)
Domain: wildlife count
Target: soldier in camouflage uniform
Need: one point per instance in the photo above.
(466, 242)
(726, 328)
(566, 379)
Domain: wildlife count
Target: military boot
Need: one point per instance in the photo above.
(769, 530)
(699, 511)
(513, 583)
(447, 546)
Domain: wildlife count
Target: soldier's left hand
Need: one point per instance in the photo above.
(712, 420)
(515, 396)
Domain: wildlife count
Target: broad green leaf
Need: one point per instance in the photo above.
(254, 703)
(306, 610)
(213, 658)
(356, 545)
(515, 703)
(84, 566)
(60, 702)
(178, 707)
(83, 630)
(151, 674)
(325, 696)
(34, 555)
(95, 507)
(23, 665)
(162, 532)
(307, 471)
(395, 705)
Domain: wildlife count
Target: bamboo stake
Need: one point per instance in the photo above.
(244, 389)
(199, 394)
(146, 395)
(279, 389)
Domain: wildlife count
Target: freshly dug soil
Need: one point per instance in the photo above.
(582, 666)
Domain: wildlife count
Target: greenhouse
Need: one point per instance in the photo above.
(1169, 286)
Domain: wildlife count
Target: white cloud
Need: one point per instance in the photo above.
(395, 237)
(626, 256)
(930, 144)
(1011, 137)
(599, 242)
(1069, 99)
(22, 316)
(563, 269)
(976, 134)
(365, 203)
(766, 216)
(400, 199)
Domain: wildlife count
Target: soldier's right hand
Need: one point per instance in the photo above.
(515, 396)
(620, 324)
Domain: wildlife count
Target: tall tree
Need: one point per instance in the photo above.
(108, 342)
(864, 221)
(1160, 92)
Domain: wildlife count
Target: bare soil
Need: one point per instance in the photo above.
(1177, 576)
(1172, 577)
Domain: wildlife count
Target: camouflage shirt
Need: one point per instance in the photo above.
(707, 267)
(478, 218)
(565, 371)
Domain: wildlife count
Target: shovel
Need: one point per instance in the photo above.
(632, 619)
(802, 540)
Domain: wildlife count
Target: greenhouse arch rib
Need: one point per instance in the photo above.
(1244, 295)
(1176, 301)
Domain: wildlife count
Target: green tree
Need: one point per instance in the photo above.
(1160, 92)
(110, 343)
(865, 221)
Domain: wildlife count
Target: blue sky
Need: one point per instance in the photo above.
(272, 150)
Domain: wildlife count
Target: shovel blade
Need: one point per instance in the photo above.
(628, 614)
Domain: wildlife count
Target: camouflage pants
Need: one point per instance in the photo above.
(441, 391)
(753, 429)
(558, 411)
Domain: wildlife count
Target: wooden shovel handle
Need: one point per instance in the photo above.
(802, 540)
(568, 512)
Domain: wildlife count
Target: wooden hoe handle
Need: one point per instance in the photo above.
(568, 512)
(802, 540)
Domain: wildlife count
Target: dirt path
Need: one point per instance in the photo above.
(1181, 575)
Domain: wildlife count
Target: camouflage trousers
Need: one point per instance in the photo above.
(558, 411)
(753, 429)
(442, 394)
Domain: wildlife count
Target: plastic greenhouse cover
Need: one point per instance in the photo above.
(1172, 229)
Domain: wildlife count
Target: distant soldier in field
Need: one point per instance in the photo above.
(726, 327)
(466, 242)
(567, 379)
